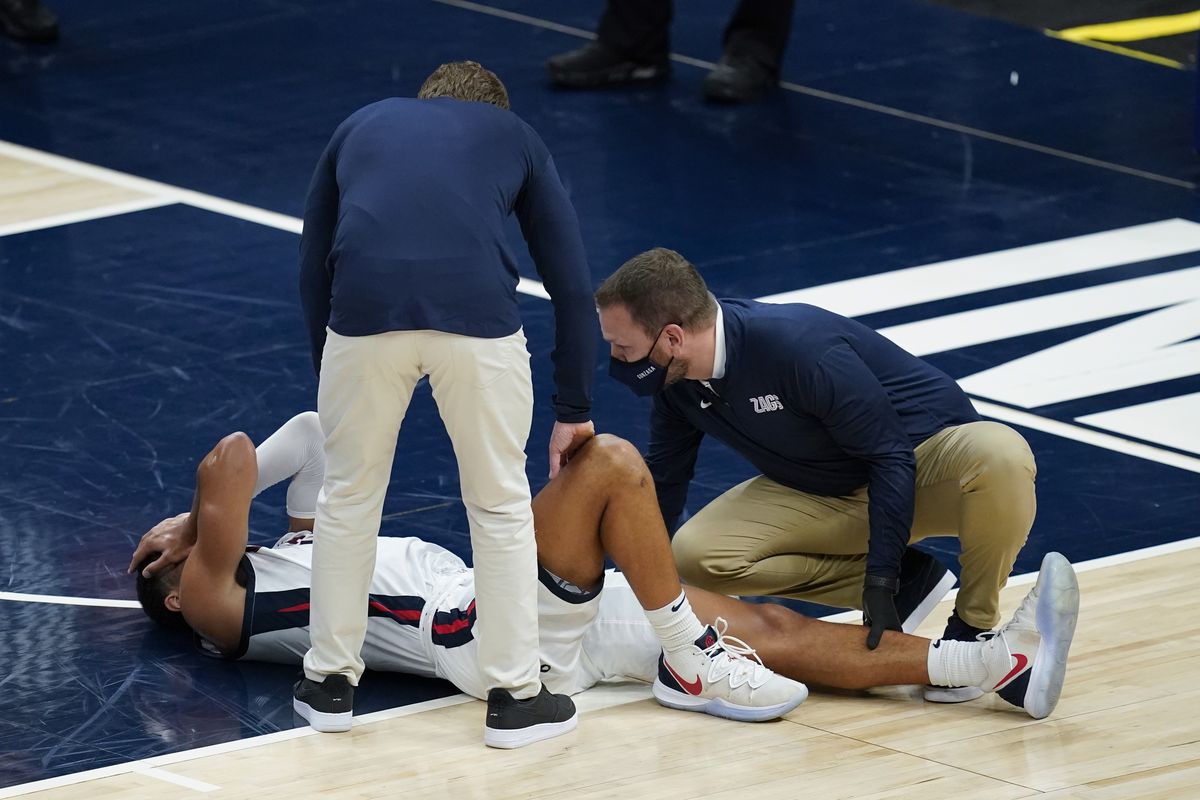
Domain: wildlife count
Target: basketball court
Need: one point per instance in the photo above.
(1016, 207)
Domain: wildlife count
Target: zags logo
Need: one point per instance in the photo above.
(768, 402)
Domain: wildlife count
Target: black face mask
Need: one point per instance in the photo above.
(644, 377)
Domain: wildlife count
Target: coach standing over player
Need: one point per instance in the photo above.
(405, 272)
(862, 447)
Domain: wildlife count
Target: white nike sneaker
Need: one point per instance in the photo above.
(729, 680)
(1026, 659)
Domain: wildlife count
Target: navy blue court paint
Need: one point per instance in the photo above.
(130, 345)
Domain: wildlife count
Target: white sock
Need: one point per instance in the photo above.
(676, 624)
(954, 663)
(296, 451)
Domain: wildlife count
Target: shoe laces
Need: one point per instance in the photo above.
(732, 659)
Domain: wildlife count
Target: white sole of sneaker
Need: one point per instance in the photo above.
(1057, 613)
(952, 694)
(323, 721)
(519, 737)
(925, 608)
(718, 707)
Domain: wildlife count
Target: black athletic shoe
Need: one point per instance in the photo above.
(744, 73)
(960, 631)
(28, 20)
(328, 706)
(924, 581)
(595, 65)
(516, 723)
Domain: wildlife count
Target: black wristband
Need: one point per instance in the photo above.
(884, 583)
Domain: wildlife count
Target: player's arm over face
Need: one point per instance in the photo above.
(209, 597)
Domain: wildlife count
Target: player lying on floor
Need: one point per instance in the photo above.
(196, 571)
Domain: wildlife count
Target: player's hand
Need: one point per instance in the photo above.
(174, 538)
(879, 613)
(565, 440)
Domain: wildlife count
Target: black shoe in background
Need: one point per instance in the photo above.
(28, 20)
(744, 73)
(516, 723)
(924, 581)
(328, 706)
(595, 65)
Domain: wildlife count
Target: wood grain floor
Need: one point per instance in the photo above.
(1128, 726)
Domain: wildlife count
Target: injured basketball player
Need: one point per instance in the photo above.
(700, 651)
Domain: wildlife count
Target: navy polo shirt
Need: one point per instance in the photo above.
(404, 230)
(817, 402)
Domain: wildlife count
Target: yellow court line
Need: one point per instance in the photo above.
(1132, 30)
(1125, 51)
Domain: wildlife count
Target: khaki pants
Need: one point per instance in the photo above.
(484, 393)
(973, 481)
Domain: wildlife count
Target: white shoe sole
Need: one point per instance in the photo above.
(952, 694)
(922, 611)
(323, 721)
(519, 737)
(719, 707)
(1057, 614)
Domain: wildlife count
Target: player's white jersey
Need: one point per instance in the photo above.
(403, 610)
(421, 618)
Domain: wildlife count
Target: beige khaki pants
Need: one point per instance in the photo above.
(973, 481)
(484, 393)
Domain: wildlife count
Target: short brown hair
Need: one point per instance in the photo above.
(659, 287)
(465, 80)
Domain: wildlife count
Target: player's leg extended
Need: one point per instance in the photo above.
(1024, 662)
(809, 650)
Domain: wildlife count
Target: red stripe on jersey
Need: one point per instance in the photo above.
(398, 613)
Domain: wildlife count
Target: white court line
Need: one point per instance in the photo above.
(854, 102)
(178, 780)
(172, 194)
(175, 194)
(98, 602)
(71, 217)
(609, 696)
(1076, 433)
(537, 289)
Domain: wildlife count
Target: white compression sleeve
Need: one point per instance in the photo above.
(296, 451)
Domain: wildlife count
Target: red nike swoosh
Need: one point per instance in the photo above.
(1022, 661)
(693, 688)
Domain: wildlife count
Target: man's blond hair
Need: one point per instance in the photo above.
(465, 80)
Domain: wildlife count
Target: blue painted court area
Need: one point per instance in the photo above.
(130, 344)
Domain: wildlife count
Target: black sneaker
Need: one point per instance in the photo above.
(328, 706)
(28, 20)
(744, 73)
(595, 65)
(516, 723)
(959, 631)
(924, 581)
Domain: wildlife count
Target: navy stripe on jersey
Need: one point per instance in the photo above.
(276, 611)
(453, 628)
(247, 570)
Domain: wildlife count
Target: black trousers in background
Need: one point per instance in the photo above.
(640, 29)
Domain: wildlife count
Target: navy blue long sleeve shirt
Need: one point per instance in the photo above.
(817, 402)
(404, 230)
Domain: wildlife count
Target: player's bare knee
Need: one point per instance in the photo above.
(615, 459)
